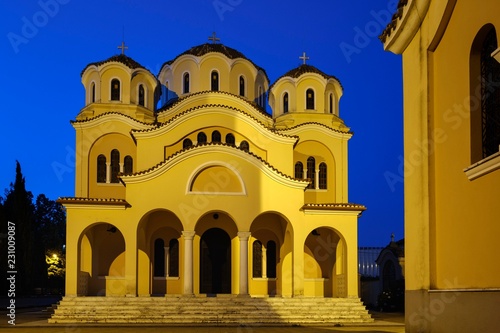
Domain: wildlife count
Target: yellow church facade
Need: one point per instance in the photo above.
(209, 194)
(451, 75)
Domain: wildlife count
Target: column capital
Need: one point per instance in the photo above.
(188, 234)
(244, 235)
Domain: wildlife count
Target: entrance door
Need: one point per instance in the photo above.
(215, 262)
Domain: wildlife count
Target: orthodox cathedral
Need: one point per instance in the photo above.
(185, 185)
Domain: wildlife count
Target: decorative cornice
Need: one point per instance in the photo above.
(297, 128)
(333, 208)
(112, 114)
(93, 201)
(210, 148)
(162, 127)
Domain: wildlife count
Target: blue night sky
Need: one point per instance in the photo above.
(45, 45)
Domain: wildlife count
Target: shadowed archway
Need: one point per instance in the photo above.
(215, 262)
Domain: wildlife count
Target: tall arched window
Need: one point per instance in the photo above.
(244, 146)
(310, 99)
(285, 103)
(202, 138)
(271, 259)
(216, 137)
(490, 96)
(173, 257)
(159, 257)
(230, 139)
(185, 85)
(141, 95)
(330, 102)
(215, 81)
(101, 169)
(322, 176)
(257, 259)
(128, 165)
(299, 170)
(115, 165)
(92, 92)
(311, 172)
(186, 143)
(242, 86)
(115, 90)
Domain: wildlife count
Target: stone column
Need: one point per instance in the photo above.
(264, 262)
(167, 261)
(188, 262)
(244, 236)
(316, 179)
(108, 172)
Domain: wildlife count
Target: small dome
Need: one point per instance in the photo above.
(121, 58)
(305, 69)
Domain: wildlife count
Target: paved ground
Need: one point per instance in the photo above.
(34, 319)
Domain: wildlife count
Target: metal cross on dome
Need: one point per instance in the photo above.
(304, 58)
(123, 47)
(214, 38)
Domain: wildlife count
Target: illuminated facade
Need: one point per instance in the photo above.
(209, 194)
(451, 90)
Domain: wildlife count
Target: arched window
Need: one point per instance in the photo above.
(141, 95)
(202, 138)
(185, 87)
(215, 81)
(230, 139)
(285, 103)
(260, 98)
(257, 259)
(322, 176)
(101, 169)
(244, 146)
(242, 86)
(271, 259)
(330, 103)
(216, 137)
(159, 257)
(310, 99)
(115, 165)
(311, 172)
(173, 257)
(128, 165)
(299, 170)
(115, 90)
(186, 143)
(490, 96)
(92, 92)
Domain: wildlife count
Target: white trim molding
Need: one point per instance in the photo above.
(483, 167)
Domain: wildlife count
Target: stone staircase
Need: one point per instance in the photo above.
(210, 311)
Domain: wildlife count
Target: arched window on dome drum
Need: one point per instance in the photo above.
(185, 87)
(215, 81)
(271, 259)
(244, 146)
(242, 86)
(257, 259)
(322, 176)
(285, 103)
(216, 137)
(202, 138)
(173, 257)
(310, 99)
(101, 169)
(128, 164)
(330, 103)
(186, 143)
(115, 90)
(311, 172)
(141, 95)
(92, 92)
(299, 170)
(159, 257)
(115, 165)
(230, 139)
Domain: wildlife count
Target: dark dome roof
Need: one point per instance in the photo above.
(122, 58)
(203, 49)
(304, 69)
